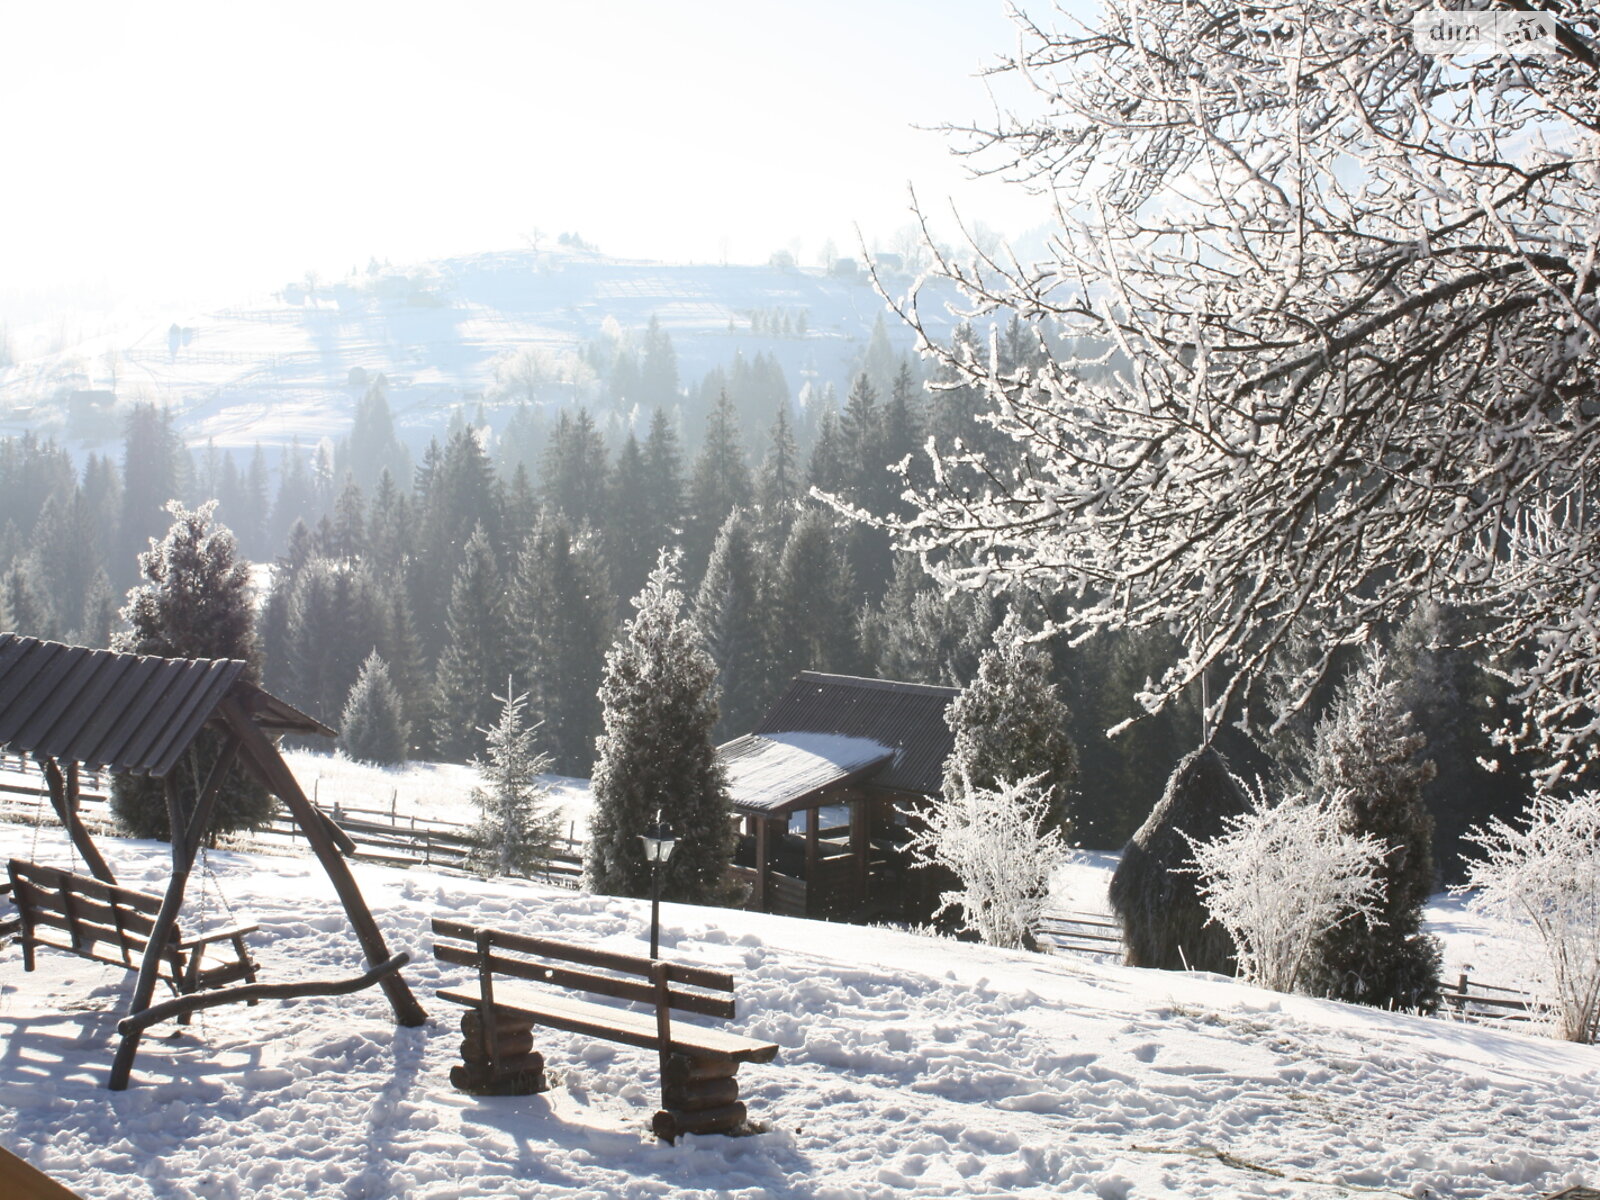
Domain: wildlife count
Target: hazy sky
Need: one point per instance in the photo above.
(191, 151)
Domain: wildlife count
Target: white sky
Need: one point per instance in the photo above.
(180, 152)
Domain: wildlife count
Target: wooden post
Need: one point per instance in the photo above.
(760, 896)
(813, 828)
(144, 988)
(861, 844)
(275, 772)
(64, 799)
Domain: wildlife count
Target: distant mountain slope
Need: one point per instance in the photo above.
(293, 365)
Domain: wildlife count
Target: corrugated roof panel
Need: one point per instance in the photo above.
(908, 717)
(128, 712)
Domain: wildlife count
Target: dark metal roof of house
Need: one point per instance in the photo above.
(127, 712)
(907, 717)
(772, 775)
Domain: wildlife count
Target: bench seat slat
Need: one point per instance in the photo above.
(84, 885)
(588, 956)
(615, 1024)
(585, 981)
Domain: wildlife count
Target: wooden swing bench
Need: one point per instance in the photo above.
(699, 1091)
(108, 923)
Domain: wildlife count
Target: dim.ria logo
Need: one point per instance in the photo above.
(1499, 32)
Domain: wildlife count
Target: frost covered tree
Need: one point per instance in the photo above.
(1165, 923)
(999, 843)
(1349, 292)
(195, 602)
(659, 696)
(373, 726)
(1366, 762)
(1011, 723)
(1279, 877)
(1545, 876)
(517, 825)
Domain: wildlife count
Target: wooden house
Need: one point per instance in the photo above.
(824, 789)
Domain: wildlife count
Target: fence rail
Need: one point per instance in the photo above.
(1081, 933)
(1468, 1000)
(380, 835)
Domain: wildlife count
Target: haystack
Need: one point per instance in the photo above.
(1163, 918)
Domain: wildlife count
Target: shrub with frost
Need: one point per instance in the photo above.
(1545, 876)
(1280, 877)
(1000, 844)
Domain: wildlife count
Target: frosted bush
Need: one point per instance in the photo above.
(998, 843)
(1281, 876)
(1546, 875)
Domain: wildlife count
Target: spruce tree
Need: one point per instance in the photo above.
(1368, 762)
(153, 467)
(779, 486)
(631, 526)
(195, 603)
(811, 615)
(728, 613)
(1010, 724)
(657, 755)
(561, 621)
(575, 472)
(24, 611)
(474, 654)
(719, 484)
(517, 825)
(335, 619)
(373, 727)
(663, 468)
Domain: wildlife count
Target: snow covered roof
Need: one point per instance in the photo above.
(906, 717)
(777, 773)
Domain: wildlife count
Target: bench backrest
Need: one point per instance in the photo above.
(86, 910)
(584, 968)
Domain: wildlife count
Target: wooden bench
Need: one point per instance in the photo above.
(63, 911)
(699, 1065)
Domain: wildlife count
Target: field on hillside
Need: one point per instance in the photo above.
(909, 1067)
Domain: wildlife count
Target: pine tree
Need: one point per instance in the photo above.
(631, 526)
(474, 653)
(811, 614)
(195, 603)
(1010, 724)
(517, 826)
(575, 471)
(728, 613)
(1367, 762)
(663, 468)
(561, 623)
(373, 447)
(335, 619)
(153, 465)
(719, 484)
(778, 485)
(373, 726)
(657, 755)
(456, 496)
(829, 465)
(24, 611)
(658, 370)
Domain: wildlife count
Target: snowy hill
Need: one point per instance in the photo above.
(294, 363)
(908, 1068)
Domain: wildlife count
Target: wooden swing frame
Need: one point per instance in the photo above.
(138, 714)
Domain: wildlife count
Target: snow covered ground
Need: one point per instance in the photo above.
(908, 1068)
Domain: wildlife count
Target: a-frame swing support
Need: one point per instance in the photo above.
(140, 714)
(188, 829)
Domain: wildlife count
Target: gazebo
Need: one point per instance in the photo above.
(850, 760)
(71, 706)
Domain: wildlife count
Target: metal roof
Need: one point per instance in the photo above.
(788, 771)
(127, 712)
(907, 717)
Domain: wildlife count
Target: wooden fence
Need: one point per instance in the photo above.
(1081, 933)
(380, 835)
(1476, 1000)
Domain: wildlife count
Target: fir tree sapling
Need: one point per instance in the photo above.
(373, 727)
(999, 843)
(1279, 878)
(659, 696)
(517, 827)
(1367, 763)
(1010, 723)
(1545, 876)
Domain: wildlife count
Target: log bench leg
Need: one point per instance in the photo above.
(520, 1070)
(698, 1095)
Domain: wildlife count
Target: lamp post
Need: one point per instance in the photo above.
(658, 844)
